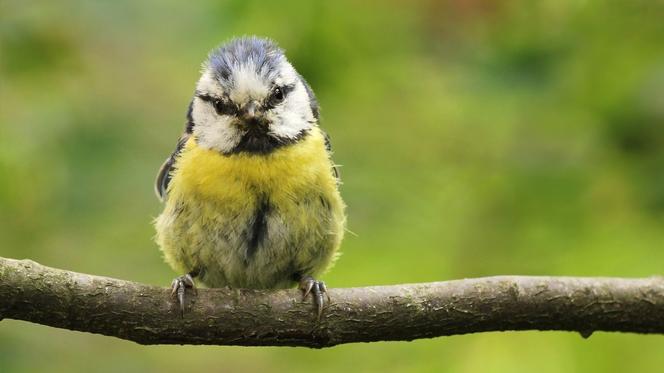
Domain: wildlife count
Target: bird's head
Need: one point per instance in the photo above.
(250, 99)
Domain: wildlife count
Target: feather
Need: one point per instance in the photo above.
(164, 175)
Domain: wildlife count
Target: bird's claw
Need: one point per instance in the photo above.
(179, 287)
(318, 291)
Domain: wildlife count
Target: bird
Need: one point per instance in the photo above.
(251, 194)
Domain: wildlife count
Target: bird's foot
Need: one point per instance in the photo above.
(318, 291)
(179, 287)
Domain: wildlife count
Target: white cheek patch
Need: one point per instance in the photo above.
(213, 131)
(293, 116)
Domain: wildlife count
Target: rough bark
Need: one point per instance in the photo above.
(148, 315)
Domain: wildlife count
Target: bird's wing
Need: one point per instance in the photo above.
(315, 110)
(164, 175)
(328, 146)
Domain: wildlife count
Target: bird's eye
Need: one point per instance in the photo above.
(277, 96)
(222, 108)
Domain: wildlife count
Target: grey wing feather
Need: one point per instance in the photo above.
(164, 175)
(328, 146)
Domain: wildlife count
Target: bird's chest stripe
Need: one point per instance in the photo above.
(256, 232)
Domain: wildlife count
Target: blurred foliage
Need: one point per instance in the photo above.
(477, 138)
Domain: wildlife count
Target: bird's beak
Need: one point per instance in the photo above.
(250, 110)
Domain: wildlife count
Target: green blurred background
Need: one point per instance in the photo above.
(477, 138)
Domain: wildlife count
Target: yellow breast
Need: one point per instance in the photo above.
(283, 174)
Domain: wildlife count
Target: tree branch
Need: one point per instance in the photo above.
(147, 314)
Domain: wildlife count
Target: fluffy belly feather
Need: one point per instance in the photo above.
(255, 221)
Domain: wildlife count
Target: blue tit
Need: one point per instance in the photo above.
(251, 195)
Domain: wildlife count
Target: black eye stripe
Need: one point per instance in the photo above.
(286, 89)
(204, 97)
(221, 106)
